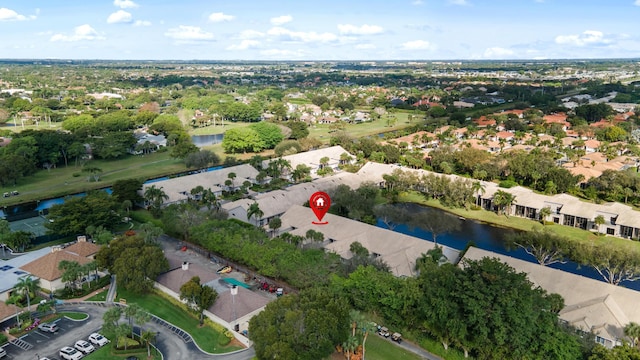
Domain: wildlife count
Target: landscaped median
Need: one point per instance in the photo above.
(107, 352)
(210, 337)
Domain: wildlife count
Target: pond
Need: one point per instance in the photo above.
(206, 140)
(491, 238)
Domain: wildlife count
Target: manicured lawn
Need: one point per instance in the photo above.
(58, 182)
(208, 338)
(218, 129)
(106, 353)
(75, 315)
(101, 296)
(525, 224)
(321, 131)
(378, 348)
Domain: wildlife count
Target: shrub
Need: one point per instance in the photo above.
(3, 338)
(507, 184)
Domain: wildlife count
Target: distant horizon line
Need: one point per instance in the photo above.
(318, 60)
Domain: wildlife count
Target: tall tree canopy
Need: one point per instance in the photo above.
(304, 326)
(77, 213)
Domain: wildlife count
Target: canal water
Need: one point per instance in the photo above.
(485, 237)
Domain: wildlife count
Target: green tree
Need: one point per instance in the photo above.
(110, 318)
(27, 286)
(299, 129)
(545, 212)
(255, 212)
(71, 218)
(242, 140)
(632, 330)
(503, 201)
(127, 189)
(135, 262)
(269, 133)
(71, 272)
(547, 247)
(622, 352)
(613, 264)
(599, 220)
(275, 224)
(155, 197)
(147, 337)
(301, 326)
(198, 296)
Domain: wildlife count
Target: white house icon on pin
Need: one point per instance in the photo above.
(320, 202)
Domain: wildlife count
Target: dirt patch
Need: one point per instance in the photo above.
(236, 342)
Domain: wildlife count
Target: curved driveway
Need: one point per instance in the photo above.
(170, 344)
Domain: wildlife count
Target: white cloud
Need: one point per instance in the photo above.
(119, 16)
(189, 33)
(365, 29)
(244, 45)
(458, 2)
(288, 35)
(365, 46)
(588, 37)
(220, 17)
(497, 52)
(281, 19)
(10, 15)
(125, 4)
(417, 45)
(250, 34)
(417, 2)
(82, 32)
(142, 23)
(637, 3)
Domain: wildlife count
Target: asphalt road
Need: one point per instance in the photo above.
(171, 345)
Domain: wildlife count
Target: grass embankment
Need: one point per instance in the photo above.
(209, 339)
(519, 223)
(75, 315)
(61, 181)
(378, 348)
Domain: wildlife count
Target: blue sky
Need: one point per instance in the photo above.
(319, 30)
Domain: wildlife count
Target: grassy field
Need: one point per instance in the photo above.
(519, 223)
(75, 315)
(206, 337)
(101, 296)
(383, 349)
(218, 129)
(61, 181)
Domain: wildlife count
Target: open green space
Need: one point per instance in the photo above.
(519, 223)
(107, 353)
(61, 181)
(323, 132)
(217, 129)
(378, 348)
(209, 339)
(99, 296)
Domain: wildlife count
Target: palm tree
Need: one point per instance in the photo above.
(231, 177)
(478, 189)
(15, 299)
(599, 220)
(503, 201)
(324, 161)
(147, 337)
(27, 285)
(255, 212)
(155, 196)
(632, 330)
(275, 224)
(544, 213)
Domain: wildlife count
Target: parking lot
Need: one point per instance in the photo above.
(38, 344)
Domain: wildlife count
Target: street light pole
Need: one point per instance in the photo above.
(234, 292)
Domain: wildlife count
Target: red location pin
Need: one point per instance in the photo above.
(320, 203)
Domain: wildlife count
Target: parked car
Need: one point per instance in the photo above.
(84, 346)
(396, 337)
(224, 270)
(384, 332)
(48, 327)
(69, 353)
(97, 339)
(3, 352)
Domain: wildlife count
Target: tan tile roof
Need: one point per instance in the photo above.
(7, 311)
(244, 303)
(46, 267)
(83, 248)
(174, 279)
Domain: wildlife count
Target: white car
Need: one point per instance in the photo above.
(84, 346)
(97, 339)
(70, 353)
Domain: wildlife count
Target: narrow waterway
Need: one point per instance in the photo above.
(484, 236)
